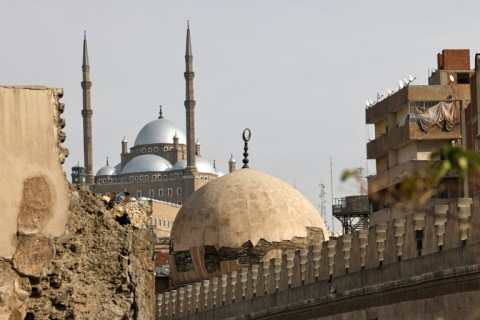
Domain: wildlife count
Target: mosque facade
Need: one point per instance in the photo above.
(165, 161)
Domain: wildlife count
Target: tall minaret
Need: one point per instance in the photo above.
(190, 106)
(87, 113)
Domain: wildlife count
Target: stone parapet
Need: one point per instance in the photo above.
(402, 251)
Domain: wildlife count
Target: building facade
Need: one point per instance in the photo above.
(414, 121)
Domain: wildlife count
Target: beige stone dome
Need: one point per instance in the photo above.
(231, 215)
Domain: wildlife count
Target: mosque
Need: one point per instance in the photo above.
(164, 163)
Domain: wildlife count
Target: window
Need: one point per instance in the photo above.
(170, 192)
(154, 176)
(159, 177)
(139, 193)
(150, 149)
(131, 178)
(114, 179)
(146, 177)
(171, 148)
(151, 193)
(179, 191)
(165, 177)
(141, 178)
(176, 175)
(165, 149)
(160, 192)
(180, 175)
(144, 150)
(155, 149)
(179, 202)
(136, 178)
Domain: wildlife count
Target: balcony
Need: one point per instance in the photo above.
(396, 174)
(402, 135)
(393, 175)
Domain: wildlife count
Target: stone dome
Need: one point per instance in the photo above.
(244, 216)
(202, 164)
(160, 131)
(147, 163)
(107, 170)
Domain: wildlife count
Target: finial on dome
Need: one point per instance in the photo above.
(247, 134)
(107, 161)
(160, 114)
(232, 159)
(84, 34)
(214, 167)
(198, 142)
(188, 24)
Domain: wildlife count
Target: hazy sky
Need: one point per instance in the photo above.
(296, 73)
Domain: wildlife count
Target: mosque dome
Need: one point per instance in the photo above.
(107, 170)
(202, 164)
(160, 130)
(248, 212)
(146, 163)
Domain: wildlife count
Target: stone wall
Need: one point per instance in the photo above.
(62, 254)
(432, 254)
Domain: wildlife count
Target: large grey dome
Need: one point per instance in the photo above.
(107, 171)
(203, 165)
(160, 131)
(147, 163)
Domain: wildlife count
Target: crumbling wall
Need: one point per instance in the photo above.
(101, 269)
(62, 254)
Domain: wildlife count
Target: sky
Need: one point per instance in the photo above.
(296, 73)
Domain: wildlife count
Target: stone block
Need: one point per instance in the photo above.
(33, 254)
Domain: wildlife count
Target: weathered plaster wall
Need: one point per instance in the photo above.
(62, 254)
(34, 190)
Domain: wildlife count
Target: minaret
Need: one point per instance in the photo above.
(232, 164)
(190, 107)
(87, 113)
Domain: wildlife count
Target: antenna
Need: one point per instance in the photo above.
(379, 97)
(323, 211)
(331, 187)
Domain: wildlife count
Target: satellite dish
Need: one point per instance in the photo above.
(367, 103)
(411, 78)
(452, 78)
(389, 91)
(379, 96)
(400, 84)
(371, 102)
(405, 81)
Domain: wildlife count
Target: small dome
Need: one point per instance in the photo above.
(160, 131)
(240, 212)
(203, 165)
(146, 163)
(107, 170)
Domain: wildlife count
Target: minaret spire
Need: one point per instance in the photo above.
(190, 105)
(87, 113)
